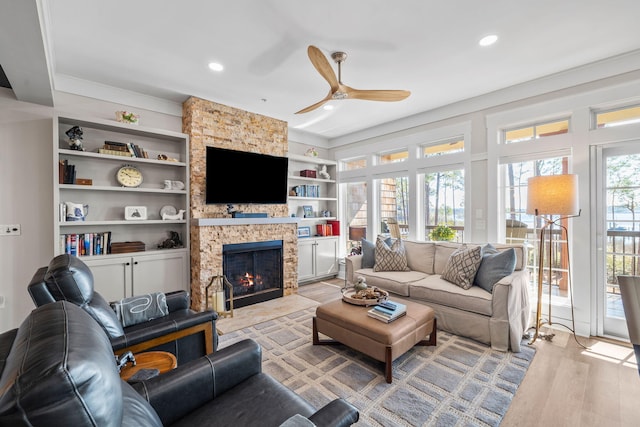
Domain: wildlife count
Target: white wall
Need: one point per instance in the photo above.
(26, 165)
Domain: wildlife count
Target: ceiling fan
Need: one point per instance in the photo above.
(341, 91)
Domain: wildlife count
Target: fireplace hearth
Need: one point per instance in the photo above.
(255, 270)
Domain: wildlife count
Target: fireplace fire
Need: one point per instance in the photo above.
(255, 270)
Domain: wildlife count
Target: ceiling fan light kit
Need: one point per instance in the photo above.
(341, 91)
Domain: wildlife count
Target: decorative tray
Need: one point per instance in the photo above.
(366, 297)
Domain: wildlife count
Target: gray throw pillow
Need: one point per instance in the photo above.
(390, 258)
(494, 266)
(462, 266)
(369, 252)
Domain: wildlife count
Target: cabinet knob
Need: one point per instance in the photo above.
(127, 263)
(135, 263)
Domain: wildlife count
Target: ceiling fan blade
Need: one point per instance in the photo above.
(321, 63)
(378, 95)
(316, 105)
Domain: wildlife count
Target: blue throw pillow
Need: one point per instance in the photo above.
(494, 266)
(369, 252)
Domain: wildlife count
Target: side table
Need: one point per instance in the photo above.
(161, 360)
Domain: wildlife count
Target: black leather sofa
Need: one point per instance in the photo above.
(58, 369)
(186, 333)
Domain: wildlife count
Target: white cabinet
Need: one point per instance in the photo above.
(118, 277)
(317, 258)
(96, 187)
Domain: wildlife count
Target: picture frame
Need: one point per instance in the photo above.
(304, 231)
(308, 211)
(135, 213)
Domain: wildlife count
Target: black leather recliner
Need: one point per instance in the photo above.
(58, 369)
(186, 333)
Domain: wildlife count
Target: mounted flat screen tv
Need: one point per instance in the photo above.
(242, 177)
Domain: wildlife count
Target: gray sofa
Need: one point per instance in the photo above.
(498, 318)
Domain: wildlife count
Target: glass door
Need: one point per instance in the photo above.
(618, 203)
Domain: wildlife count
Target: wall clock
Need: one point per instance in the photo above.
(129, 176)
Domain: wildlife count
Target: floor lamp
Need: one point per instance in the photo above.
(547, 196)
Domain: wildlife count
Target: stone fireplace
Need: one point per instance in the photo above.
(210, 124)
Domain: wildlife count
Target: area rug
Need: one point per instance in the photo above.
(457, 383)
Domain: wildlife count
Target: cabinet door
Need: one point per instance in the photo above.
(111, 277)
(164, 272)
(326, 257)
(306, 259)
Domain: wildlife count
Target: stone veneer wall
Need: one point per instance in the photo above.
(210, 124)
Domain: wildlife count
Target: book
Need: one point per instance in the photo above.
(382, 318)
(382, 312)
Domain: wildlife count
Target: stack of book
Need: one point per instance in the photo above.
(387, 311)
(126, 149)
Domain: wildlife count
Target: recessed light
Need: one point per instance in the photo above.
(328, 107)
(216, 66)
(488, 40)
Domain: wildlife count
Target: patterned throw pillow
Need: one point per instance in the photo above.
(462, 266)
(369, 252)
(390, 258)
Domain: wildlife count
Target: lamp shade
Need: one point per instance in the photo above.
(357, 233)
(553, 195)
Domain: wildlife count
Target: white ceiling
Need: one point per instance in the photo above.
(161, 49)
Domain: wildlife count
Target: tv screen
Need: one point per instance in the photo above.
(242, 177)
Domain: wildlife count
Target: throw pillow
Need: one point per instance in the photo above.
(390, 258)
(141, 308)
(369, 252)
(494, 266)
(462, 266)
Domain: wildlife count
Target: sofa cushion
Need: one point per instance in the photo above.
(494, 266)
(420, 255)
(390, 258)
(434, 289)
(462, 266)
(396, 282)
(369, 252)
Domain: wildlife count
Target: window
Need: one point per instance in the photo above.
(455, 145)
(394, 206)
(618, 117)
(536, 131)
(353, 164)
(395, 157)
(356, 211)
(521, 227)
(444, 201)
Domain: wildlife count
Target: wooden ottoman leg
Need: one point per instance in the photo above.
(316, 338)
(388, 365)
(432, 336)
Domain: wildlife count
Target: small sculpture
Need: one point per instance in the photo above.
(231, 209)
(176, 216)
(360, 284)
(323, 172)
(75, 138)
(172, 242)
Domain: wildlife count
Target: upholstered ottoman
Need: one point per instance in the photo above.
(350, 325)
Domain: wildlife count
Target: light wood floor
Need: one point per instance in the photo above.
(565, 385)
